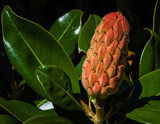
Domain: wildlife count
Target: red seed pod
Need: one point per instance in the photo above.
(103, 67)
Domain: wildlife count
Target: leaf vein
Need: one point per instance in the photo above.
(66, 29)
(60, 88)
(26, 42)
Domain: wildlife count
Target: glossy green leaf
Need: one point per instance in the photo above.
(148, 114)
(147, 57)
(29, 45)
(47, 119)
(150, 84)
(79, 66)
(21, 110)
(156, 48)
(150, 58)
(44, 104)
(156, 33)
(6, 119)
(57, 84)
(87, 32)
(66, 29)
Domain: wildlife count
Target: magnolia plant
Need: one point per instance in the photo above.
(106, 70)
(103, 68)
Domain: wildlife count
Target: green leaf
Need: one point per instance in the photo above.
(148, 114)
(150, 84)
(21, 110)
(28, 45)
(156, 33)
(66, 29)
(79, 66)
(156, 48)
(44, 104)
(47, 119)
(57, 85)
(147, 57)
(6, 119)
(87, 32)
(150, 58)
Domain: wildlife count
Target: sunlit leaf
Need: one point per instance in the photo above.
(44, 104)
(66, 29)
(28, 45)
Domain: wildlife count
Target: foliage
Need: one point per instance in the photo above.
(44, 60)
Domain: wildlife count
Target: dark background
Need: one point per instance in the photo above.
(139, 13)
(45, 12)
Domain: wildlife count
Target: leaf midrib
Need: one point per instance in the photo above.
(8, 12)
(59, 87)
(12, 113)
(25, 40)
(64, 32)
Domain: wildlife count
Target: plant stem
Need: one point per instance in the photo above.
(99, 106)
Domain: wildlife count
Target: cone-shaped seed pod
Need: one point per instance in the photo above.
(104, 65)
